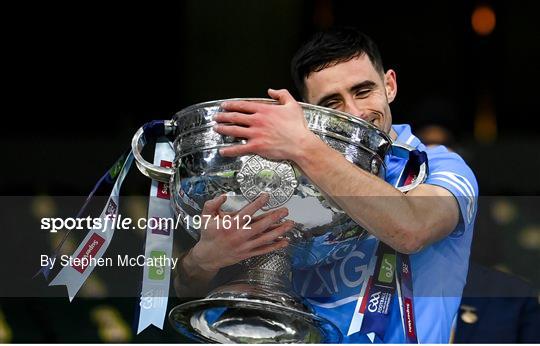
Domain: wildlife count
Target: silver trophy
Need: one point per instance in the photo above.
(260, 306)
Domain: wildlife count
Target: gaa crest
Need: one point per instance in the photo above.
(276, 178)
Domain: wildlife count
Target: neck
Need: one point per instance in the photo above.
(393, 134)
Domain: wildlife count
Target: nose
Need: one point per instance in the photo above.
(352, 108)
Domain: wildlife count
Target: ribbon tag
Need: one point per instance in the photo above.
(358, 314)
(96, 242)
(377, 303)
(109, 178)
(405, 288)
(159, 244)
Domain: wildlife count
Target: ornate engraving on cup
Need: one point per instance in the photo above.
(276, 178)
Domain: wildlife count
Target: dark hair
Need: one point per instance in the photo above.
(331, 47)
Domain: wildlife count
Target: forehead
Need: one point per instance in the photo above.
(340, 77)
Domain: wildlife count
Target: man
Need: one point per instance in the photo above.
(342, 69)
(487, 293)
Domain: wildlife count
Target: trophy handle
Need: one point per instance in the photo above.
(403, 150)
(152, 130)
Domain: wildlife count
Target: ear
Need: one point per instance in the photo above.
(390, 84)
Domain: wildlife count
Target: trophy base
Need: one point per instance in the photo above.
(245, 313)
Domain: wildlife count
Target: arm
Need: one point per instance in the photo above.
(191, 279)
(406, 222)
(220, 247)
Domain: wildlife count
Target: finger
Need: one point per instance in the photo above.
(274, 226)
(247, 222)
(260, 216)
(246, 107)
(237, 150)
(263, 224)
(229, 213)
(283, 96)
(251, 208)
(270, 236)
(268, 248)
(212, 206)
(233, 117)
(235, 131)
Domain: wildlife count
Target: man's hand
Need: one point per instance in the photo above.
(219, 247)
(276, 132)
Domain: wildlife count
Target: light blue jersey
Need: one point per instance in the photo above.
(439, 270)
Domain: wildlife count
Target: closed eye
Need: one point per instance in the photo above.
(331, 104)
(362, 93)
(362, 90)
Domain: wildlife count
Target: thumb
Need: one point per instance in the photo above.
(282, 96)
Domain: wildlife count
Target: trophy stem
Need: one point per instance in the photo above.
(259, 306)
(272, 269)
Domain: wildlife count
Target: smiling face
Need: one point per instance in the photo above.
(354, 87)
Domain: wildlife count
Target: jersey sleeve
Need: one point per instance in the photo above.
(449, 170)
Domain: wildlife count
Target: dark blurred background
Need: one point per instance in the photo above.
(82, 77)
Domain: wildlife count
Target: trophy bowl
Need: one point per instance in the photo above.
(260, 306)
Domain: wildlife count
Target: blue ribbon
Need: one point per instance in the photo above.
(108, 179)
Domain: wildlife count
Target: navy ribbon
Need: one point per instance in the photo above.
(154, 129)
(107, 181)
(380, 292)
(412, 167)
